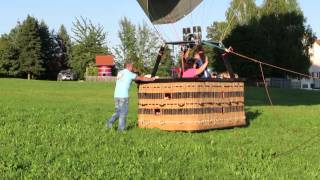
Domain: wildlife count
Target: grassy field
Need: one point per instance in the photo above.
(56, 130)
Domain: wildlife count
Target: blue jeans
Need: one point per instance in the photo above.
(121, 112)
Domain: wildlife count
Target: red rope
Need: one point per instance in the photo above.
(265, 84)
(270, 65)
(310, 141)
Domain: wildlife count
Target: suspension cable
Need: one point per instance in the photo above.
(229, 23)
(157, 30)
(191, 16)
(270, 65)
(305, 143)
(230, 51)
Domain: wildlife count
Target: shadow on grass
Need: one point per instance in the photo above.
(251, 116)
(281, 97)
(131, 126)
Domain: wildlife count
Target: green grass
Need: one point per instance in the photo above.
(56, 130)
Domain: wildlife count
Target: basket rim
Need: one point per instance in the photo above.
(173, 80)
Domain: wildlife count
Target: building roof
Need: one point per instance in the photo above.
(105, 60)
(318, 41)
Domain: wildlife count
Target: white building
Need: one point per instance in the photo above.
(314, 69)
(315, 59)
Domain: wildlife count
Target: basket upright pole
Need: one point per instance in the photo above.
(159, 57)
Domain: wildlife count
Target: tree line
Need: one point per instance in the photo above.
(30, 50)
(275, 32)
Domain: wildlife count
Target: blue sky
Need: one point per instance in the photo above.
(109, 12)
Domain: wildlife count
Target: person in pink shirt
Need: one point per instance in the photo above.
(190, 70)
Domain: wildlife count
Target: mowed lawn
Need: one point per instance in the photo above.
(57, 130)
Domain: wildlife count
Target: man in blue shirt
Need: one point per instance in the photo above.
(121, 95)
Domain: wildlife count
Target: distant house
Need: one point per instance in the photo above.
(314, 69)
(315, 59)
(304, 83)
(105, 63)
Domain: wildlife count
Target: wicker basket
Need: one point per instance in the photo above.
(191, 104)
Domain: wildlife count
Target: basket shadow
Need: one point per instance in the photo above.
(251, 116)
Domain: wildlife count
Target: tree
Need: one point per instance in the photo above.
(240, 12)
(31, 49)
(278, 37)
(48, 52)
(148, 45)
(59, 52)
(29, 44)
(139, 44)
(9, 53)
(90, 40)
(277, 7)
(127, 50)
(216, 30)
(166, 64)
(4, 62)
(64, 43)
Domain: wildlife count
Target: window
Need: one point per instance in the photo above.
(167, 96)
(157, 111)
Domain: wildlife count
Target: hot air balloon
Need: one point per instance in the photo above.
(167, 11)
(192, 104)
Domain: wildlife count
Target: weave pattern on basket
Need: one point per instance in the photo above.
(191, 106)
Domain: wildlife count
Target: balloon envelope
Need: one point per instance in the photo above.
(167, 11)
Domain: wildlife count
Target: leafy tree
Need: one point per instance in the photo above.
(216, 30)
(148, 45)
(29, 44)
(279, 7)
(90, 40)
(277, 37)
(240, 12)
(139, 44)
(127, 50)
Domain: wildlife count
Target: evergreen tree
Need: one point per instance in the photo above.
(4, 63)
(29, 44)
(20, 55)
(59, 52)
(48, 52)
(64, 42)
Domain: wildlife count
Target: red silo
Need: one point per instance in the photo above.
(105, 63)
